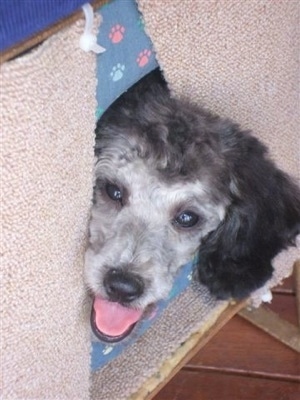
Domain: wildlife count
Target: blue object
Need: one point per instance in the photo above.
(20, 19)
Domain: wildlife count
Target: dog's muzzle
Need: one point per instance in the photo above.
(112, 318)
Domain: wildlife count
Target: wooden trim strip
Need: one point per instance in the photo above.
(185, 353)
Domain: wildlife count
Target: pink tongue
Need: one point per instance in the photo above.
(113, 319)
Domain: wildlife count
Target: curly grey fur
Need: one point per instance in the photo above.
(166, 156)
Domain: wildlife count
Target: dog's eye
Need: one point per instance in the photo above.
(114, 192)
(186, 219)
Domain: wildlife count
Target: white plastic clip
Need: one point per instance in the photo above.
(88, 40)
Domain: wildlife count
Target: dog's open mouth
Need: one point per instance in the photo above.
(112, 322)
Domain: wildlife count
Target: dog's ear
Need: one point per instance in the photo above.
(262, 219)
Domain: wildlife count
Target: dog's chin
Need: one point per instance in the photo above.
(111, 321)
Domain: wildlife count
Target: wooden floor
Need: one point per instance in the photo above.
(242, 362)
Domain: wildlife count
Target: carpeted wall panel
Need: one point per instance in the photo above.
(47, 124)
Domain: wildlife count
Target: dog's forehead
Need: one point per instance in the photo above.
(127, 160)
(142, 181)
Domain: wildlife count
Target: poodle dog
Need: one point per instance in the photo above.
(173, 180)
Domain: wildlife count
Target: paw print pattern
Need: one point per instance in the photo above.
(117, 72)
(143, 58)
(107, 350)
(117, 33)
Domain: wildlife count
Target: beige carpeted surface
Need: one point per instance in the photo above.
(47, 123)
(239, 58)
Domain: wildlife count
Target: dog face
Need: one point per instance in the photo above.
(171, 180)
(143, 228)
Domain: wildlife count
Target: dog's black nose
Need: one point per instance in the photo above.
(123, 287)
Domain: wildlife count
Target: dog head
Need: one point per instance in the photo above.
(171, 178)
